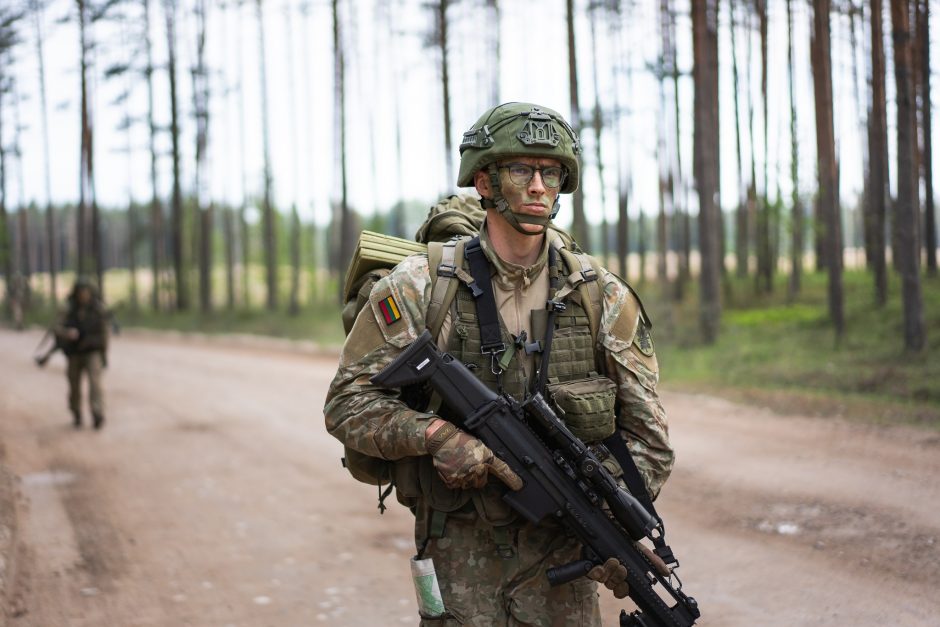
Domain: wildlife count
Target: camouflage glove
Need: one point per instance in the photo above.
(613, 575)
(464, 462)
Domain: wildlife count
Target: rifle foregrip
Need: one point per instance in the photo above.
(568, 572)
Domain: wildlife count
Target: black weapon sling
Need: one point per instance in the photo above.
(491, 339)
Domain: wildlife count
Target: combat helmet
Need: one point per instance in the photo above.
(83, 282)
(515, 129)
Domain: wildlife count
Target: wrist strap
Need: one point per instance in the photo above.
(444, 433)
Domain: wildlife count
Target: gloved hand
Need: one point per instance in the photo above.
(463, 461)
(613, 575)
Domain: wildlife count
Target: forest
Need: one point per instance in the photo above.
(214, 156)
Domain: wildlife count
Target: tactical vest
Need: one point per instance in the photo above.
(572, 356)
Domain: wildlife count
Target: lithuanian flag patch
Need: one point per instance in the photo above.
(389, 309)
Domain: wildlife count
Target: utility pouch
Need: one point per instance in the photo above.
(586, 406)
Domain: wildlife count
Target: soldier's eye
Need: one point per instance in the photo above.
(552, 176)
(521, 174)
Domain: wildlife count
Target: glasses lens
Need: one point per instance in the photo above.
(520, 173)
(552, 176)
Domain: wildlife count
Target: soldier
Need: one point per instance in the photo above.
(490, 563)
(82, 331)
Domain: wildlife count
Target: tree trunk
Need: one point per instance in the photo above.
(396, 225)
(295, 227)
(131, 239)
(313, 263)
(663, 152)
(907, 250)
(51, 257)
(930, 222)
(598, 126)
(623, 169)
(765, 260)
(203, 202)
(6, 257)
(579, 225)
(82, 226)
(706, 162)
(679, 197)
(245, 239)
(268, 217)
(88, 203)
(176, 207)
(347, 236)
(796, 241)
(741, 223)
(827, 168)
(495, 46)
(878, 161)
(25, 256)
(157, 245)
(641, 245)
(442, 42)
(228, 226)
(293, 307)
(857, 15)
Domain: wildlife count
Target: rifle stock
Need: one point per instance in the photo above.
(561, 478)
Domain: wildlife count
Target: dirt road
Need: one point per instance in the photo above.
(214, 497)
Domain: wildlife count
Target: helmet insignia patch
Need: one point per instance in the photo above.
(539, 132)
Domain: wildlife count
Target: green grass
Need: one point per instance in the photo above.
(786, 354)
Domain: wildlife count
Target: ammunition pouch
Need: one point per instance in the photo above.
(586, 406)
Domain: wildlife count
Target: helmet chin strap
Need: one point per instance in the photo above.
(515, 220)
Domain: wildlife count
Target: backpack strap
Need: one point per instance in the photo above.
(446, 275)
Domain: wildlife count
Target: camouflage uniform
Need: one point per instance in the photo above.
(87, 354)
(490, 564)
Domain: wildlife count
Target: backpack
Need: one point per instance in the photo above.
(449, 225)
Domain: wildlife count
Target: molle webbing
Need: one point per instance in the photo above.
(584, 278)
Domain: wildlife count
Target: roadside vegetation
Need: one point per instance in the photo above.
(784, 355)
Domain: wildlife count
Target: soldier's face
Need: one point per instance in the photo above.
(83, 296)
(533, 198)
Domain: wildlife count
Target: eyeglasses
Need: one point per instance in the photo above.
(521, 173)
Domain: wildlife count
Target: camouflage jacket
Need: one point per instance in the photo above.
(374, 421)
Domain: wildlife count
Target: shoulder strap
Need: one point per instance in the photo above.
(446, 274)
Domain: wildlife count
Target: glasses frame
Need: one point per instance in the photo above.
(561, 181)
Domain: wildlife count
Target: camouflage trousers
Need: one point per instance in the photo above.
(496, 576)
(92, 364)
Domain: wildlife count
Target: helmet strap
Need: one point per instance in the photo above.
(515, 220)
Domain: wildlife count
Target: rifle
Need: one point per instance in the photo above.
(561, 477)
(57, 345)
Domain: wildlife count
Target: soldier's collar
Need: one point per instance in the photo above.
(508, 272)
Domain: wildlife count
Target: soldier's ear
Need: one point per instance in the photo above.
(481, 180)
